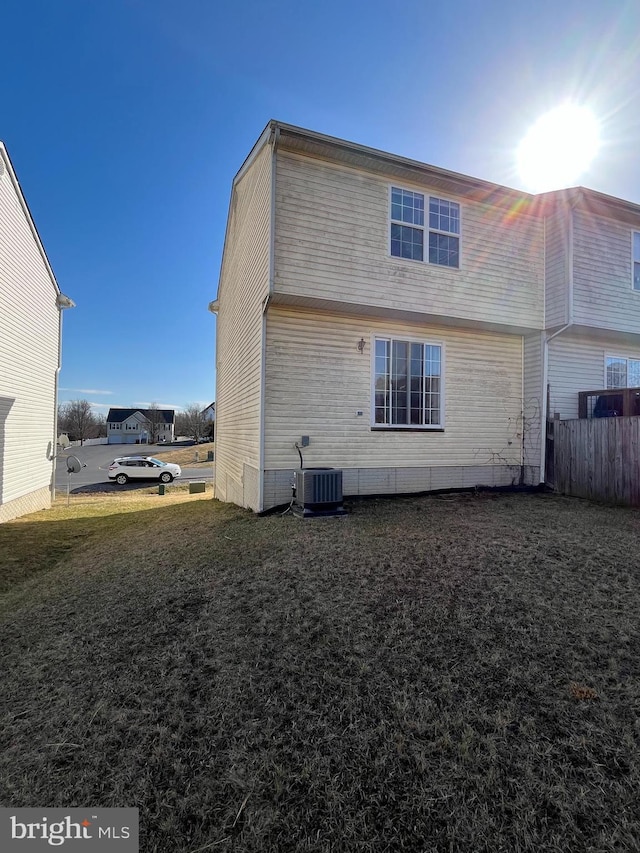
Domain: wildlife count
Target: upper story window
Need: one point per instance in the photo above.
(636, 260)
(622, 372)
(408, 384)
(410, 232)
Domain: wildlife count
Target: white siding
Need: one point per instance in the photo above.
(603, 296)
(332, 242)
(244, 284)
(532, 406)
(28, 360)
(578, 364)
(317, 381)
(556, 270)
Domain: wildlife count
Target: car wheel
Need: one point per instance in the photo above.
(166, 477)
(122, 479)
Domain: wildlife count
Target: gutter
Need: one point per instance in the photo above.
(62, 302)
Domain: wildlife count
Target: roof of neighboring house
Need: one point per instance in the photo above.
(210, 406)
(117, 416)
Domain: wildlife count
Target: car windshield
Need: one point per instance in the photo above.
(157, 461)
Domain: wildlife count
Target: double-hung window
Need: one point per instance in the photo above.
(622, 372)
(408, 384)
(416, 236)
(635, 236)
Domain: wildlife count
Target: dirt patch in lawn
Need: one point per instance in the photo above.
(454, 673)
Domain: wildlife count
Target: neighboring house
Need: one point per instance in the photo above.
(140, 426)
(408, 320)
(31, 307)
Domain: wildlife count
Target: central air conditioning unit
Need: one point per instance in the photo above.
(318, 492)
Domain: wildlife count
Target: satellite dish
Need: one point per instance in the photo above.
(73, 465)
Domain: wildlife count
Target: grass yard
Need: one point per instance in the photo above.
(446, 673)
(186, 456)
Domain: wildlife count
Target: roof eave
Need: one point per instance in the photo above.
(320, 145)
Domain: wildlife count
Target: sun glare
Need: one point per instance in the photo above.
(558, 148)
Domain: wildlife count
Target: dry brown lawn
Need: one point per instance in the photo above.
(447, 673)
(186, 456)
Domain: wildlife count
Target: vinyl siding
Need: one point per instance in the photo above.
(244, 284)
(317, 381)
(332, 242)
(28, 361)
(532, 406)
(603, 295)
(578, 364)
(556, 270)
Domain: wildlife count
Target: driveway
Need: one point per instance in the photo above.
(96, 458)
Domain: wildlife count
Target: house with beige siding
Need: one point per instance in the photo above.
(31, 306)
(593, 297)
(412, 324)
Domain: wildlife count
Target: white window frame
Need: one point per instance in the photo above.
(426, 230)
(410, 340)
(635, 259)
(625, 358)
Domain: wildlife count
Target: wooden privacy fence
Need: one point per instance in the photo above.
(598, 458)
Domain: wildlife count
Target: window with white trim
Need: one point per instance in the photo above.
(410, 232)
(408, 384)
(622, 372)
(636, 260)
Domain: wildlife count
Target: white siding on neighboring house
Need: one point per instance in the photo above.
(244, 284)
(317, 381)
(30, 320)
(332, 242)
(602, 293)
(556, 269)
(577, 363)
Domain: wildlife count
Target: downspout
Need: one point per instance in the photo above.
(547, 341)
(273, 141)
(213, 307)
(522, 441)
(62, 302)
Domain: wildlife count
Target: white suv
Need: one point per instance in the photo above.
(127, 468)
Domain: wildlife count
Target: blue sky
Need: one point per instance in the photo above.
(126, 121)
